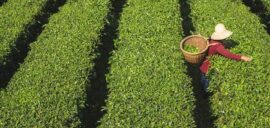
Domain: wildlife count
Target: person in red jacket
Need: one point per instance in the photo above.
(216, 46)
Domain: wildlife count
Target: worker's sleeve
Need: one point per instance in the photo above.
(224, 52)
(205, 66)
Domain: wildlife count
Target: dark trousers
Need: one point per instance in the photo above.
(204, 82)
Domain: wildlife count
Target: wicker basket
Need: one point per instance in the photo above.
(197, 41)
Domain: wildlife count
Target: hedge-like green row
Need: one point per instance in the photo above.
(241, 89)
(147, 80)
(50, 87)
(15, 17)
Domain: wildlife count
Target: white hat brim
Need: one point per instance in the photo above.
(221, 35)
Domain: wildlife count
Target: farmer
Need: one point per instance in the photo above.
(216, 46)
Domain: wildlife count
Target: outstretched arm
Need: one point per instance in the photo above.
(224, 52)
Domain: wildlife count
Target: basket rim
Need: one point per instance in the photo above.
(183, 40)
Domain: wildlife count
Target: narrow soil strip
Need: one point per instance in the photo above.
(98, 91)
(2, 2)
(202, 114)
(31, 33)
(258, 8)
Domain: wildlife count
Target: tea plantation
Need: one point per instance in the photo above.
(241, 90)
(146, 79)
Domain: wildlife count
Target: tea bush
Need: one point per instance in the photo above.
(241, 89)
(147, 82)
(49, 89)
(15, 17)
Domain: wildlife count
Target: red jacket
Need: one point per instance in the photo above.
(216, 47)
